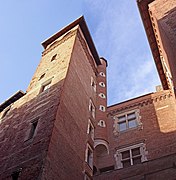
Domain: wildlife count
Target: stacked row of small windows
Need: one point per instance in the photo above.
(92, 110)
(46, 85)
(89, 152)
(102, 108)
(102, 84)
(90, 133)
(89, 149)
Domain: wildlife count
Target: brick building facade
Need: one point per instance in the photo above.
(61, 128)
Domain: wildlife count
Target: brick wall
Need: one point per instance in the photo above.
(69, 137)
(158, 131)
(16, 151)
(163, 15)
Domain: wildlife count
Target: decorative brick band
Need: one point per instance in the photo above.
(58, 42)
(141, 103)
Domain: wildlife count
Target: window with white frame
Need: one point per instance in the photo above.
(45, 86)
(92, 108)
(102, 108)
(89, 156)
(33, 129)
(101, 123)
(93, 84)
(102, 84)
(102, 74)
(131, 155)
(102, 95)
(90, 129)
(127, 120)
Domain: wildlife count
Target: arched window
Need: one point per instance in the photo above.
(102, 123)
(102, 84)
(102, 95)
(102, 74)
(102, 108)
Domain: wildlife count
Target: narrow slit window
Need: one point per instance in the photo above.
(46, 86)
(90, 129)
(15, 175)
(42, 76)
(33, 129)
(93, 84)
(89, 157)
(92, 108)
(53, 58)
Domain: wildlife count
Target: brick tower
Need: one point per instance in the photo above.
(101, 137)
(62, 128)
(48, 132)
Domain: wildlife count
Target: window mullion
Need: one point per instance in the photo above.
(131, 157)
(126, 121)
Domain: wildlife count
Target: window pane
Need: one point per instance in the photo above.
(136, 160)
(122, 126)
(125, 154)
(132, 123)
(121, 118)
(126, 163)
(135, 151)
(131, 116)
(33, 128)
(46, 87)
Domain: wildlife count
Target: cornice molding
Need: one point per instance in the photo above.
(56, 43)
(142, 103)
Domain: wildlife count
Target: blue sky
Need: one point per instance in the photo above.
(116, 29)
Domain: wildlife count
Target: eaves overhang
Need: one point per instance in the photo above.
(82, 23)
(11, 100)
(144, 11)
